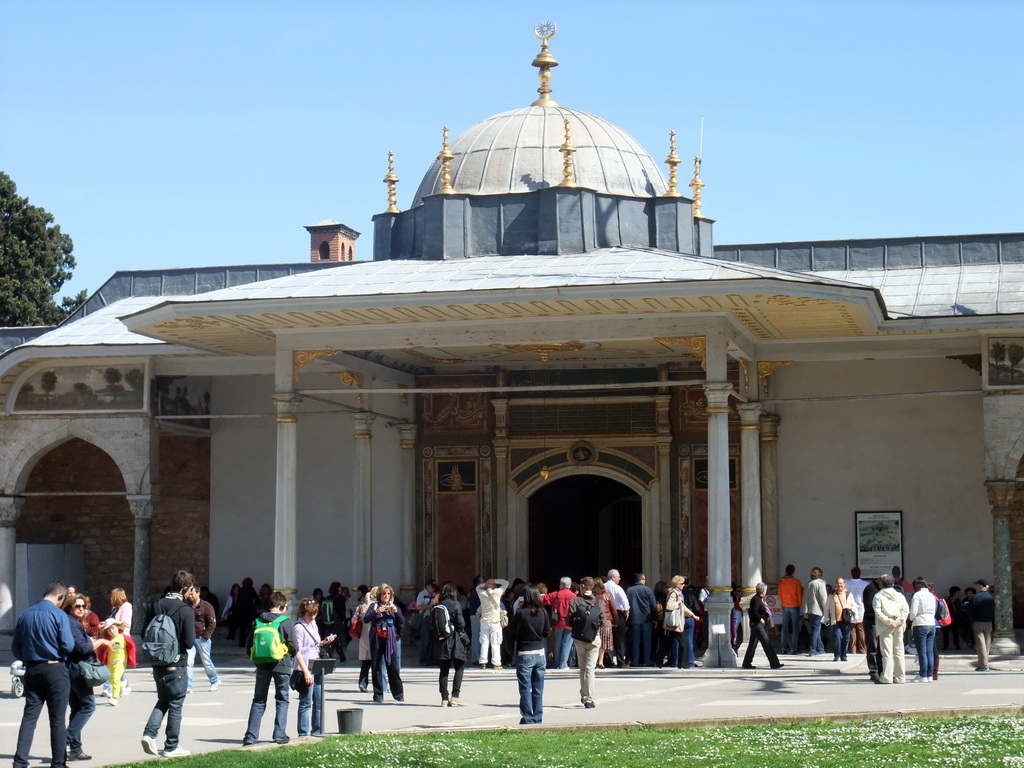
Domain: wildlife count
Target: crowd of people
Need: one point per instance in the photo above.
(591, 624)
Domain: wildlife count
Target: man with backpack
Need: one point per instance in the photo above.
(271, 647)
(584, 625)
(170, 634)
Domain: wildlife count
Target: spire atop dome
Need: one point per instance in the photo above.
(391, 180)
(545, 61)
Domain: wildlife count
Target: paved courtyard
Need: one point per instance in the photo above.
(805, 688)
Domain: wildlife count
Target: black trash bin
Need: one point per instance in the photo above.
(350, 720)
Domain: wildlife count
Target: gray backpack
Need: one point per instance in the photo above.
(160, 641)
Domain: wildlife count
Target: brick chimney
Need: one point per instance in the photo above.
(331, 240)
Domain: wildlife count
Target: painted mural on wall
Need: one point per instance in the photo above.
(183, 396)
(84, 388)
(1005, 358)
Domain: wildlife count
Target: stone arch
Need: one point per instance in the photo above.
(75, 502)
(128, 448)
(649, 504)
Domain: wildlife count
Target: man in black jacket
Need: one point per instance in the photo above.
(759, 618)
(171, 679)
(643, 609)
(874, 654)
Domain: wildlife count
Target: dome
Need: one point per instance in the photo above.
(517, 151)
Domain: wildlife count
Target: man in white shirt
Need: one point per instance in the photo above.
(490, 609)
(855, 589)
(424, 602)
(621, 603)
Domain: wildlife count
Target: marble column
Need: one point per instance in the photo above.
(719, 604)
(661, 526)
(143, 508)
(407, 471)
(750, 496)
(285, 506)
(770, 500)
(1000, 496)
(10, 508)
(505, 524)
(362, 499)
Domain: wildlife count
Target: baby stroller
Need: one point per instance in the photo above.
(17, 683)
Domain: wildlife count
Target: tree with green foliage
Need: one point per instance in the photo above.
(1014, 353)
(35, 261)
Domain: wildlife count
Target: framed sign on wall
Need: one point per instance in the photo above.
(879, 542)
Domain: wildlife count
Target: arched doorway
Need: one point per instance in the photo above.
(583, 525)
(76, 508)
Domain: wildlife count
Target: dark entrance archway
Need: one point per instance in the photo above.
(583, 525)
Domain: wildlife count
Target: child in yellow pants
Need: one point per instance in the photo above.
(117, 657)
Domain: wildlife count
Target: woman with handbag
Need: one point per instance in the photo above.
(304, 682)
(385, 619)
(676, 614)
(82, 700)
(841, 616)
(451, 643)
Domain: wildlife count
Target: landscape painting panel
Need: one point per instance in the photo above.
(84, 388)
(1005, 358)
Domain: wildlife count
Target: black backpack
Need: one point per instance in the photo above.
(442, 621)
(585, 621)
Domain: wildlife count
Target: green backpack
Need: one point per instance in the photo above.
(268, 647)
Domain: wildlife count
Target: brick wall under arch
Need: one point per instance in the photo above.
(102, 524)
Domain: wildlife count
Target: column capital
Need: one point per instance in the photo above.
(750, 414)
(10, 509)
(408, 435)
(287, 405)
(143, 508)
(363, 425)
(717, 394)
(1000, 495)
(769, 426)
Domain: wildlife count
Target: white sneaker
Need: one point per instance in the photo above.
(126, 690)
(176, 752)
(214, 687)
(149, 746)
(113, 702)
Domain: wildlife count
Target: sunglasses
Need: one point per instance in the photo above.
(79, 606)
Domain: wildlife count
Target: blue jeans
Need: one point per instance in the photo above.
(641, 644)
(426, 638)
(171, 687)
(309, 700)
(530, 674)
(264, 674)
(924, 639)
(83, 704)
(814, 628)
(563, 642)
(841, 639)
(790, 629)
(202, 650)
(688, 627)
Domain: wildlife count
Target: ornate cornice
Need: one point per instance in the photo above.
(303, 357)
(765, 368)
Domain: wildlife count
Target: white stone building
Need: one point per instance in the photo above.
(547, 369)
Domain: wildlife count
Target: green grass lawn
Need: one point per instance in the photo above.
(982, 741)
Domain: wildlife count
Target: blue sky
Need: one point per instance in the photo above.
(181, 134)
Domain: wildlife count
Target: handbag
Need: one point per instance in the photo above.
(503, 619)
(847, 616)
(355, 630)
(674, 618)
(93, 673)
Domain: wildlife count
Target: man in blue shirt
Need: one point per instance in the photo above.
(42, 642)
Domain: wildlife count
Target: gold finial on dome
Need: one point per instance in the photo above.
(696, 184)
(545, 61)
(673, 167)
(391, 180)
(567, 148)
(446, 157)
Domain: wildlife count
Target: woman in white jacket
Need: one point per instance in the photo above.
(922, 622)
